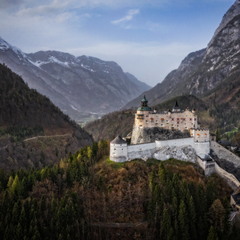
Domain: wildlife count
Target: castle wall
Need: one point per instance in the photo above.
(207, 166)
(202, 148)
(230, 178)
(225, 154)
(124, 152)
(175, 142)
(143, 151)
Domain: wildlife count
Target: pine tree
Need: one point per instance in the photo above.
(212, 235)
(217, 216)
(182, 220)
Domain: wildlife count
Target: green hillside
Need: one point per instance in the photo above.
(89, 197)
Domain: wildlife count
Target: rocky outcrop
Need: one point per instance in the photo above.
(185, 153)
(203, 71)
(146, 135)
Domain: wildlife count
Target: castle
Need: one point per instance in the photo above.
(175, 119)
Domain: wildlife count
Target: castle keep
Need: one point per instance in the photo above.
(148, 119)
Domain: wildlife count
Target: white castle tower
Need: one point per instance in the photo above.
(118, 150)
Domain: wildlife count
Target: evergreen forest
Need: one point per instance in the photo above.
(87, 196)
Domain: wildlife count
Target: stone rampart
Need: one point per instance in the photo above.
(225, 154)
(143, 151)
(175, 142)
(230, 178)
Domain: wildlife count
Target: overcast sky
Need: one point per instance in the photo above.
(147, 38)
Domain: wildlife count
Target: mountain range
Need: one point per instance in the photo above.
(203, 72)
(211, 74)
(80, 86)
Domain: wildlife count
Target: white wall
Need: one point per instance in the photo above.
(121, 153)
(175, 142)
(141, 150)
(141, 147)
(202, 148)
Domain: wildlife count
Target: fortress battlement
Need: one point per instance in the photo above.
(176, 119)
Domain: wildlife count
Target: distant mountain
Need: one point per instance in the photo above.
(202, 72)
(79, 86)
(33, 132)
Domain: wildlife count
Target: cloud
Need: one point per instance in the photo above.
(9, 3)
(130, 14)
(46, 9)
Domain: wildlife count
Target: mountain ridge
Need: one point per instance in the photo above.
(204, 70)
(69, 81)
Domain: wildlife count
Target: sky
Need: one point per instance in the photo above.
(147, 38)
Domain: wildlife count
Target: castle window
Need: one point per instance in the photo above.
(190, 119)
(172, 119)
(195, 119)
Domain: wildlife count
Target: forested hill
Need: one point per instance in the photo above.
(21, 106)
(89, 197)
(24, 114)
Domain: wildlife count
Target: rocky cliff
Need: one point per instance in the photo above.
(201, 72)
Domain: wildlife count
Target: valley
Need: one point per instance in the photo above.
(84, 155)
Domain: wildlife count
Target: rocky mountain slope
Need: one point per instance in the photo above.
(201, 72)
(33, 132)
(79, 86)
